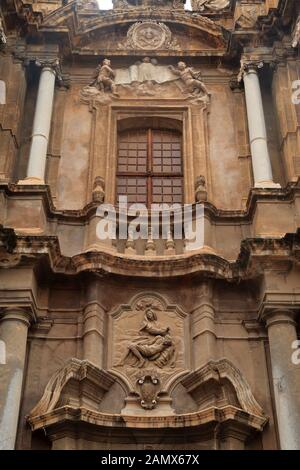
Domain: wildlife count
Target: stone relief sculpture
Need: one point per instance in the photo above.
(190, 78)
(104, 78)
(149, 35)
(146, 340)
(153, 344)
(248, 17)
(210, 5)
(145, 78)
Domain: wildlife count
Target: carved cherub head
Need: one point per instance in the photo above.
(107, 62)
(181, 65)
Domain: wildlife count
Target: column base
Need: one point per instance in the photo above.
(32, 180)
(267, 184)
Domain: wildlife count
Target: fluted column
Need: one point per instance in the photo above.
(41, 125)
(14, 324)
(261, 163)
(286, 376)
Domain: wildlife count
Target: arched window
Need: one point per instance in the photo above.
(150, 166)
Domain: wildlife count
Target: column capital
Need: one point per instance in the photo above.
(249, 65)
(279, 316)
(22, 315)
(53, 65)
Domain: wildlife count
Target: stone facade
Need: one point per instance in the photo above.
(146, 344)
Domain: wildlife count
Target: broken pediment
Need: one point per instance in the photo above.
(74, 403)
(113, 32)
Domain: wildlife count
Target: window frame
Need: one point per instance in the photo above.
(150, 174)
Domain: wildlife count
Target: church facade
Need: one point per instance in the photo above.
(149, 225)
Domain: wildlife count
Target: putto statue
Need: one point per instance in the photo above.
(104, 78)
(210, 5)
(191, 79)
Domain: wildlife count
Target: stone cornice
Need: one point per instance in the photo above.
(256, 195)
(255, 256)
(70, 416)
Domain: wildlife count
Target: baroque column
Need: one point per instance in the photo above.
(14, 324)
(41, 125)
(286, 376)
(261, 163)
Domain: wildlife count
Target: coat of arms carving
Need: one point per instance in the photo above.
(149, 36)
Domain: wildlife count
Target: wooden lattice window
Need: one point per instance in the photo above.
(150, 166)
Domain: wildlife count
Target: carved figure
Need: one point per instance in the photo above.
(190, 78)
(104, 78)
(154, 344)
(213, 5)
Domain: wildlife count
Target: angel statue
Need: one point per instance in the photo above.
(190, 78)
(104, 78)
(154, 344)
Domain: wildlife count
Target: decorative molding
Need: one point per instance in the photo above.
(218, 371)
(92, 383)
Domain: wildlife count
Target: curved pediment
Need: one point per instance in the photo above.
(174, 31)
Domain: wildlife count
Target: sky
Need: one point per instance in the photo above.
(107, 4)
